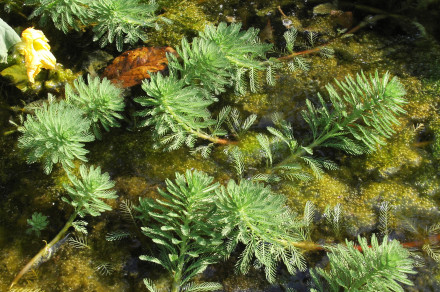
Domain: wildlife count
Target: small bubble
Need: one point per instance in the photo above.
(287, 22)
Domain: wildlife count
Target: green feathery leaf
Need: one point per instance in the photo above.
(55, 134)
(79, 242)
(259, 219)
(355, 122)
(122, 21)
(87, 193)
(175, 111)
(37, 223)
(65, 14)
(381, 267)
(99, 99)
(80, 226)
(184, 227)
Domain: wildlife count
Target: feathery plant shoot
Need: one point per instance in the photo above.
(357, 121)
(185, 229)
(123, 21)
(120, 21)
(177, 112)
(220, 57)
(86, 195)
(55, 133)
(380, 267)
(65, 14)
(99, 99)
(37, 223)
(261, 220)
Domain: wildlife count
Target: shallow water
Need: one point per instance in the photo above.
(403, 172)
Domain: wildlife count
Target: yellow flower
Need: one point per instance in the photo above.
(37, 53)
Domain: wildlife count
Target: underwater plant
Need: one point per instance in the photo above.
(177, 112)
(185, 229)
(120, 21)
(123, 21)
(195, 221)
(86, 197)
(256, 217)
(99, 99)
(55, 133)
(220, 57)
(381, 267)
(65, 14)
(87, 193)
(37, 223)
(358, 119)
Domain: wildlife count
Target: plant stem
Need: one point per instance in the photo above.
(367, 21)
(201, 135)
(46, 252)
(327, 133)
(177, 278)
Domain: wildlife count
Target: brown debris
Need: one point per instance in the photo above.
(132, 67)
(344, 19)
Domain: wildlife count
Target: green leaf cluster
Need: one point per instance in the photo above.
(99, 99)
(183, 227)
(256, 217)
(120, 21)
(55, 133)
(88, 192)
(177, 105)
(177, 112)
(220, 57)
(381, 267)
(65, 14)
(361, 113)
(37, 223)
(196, 223)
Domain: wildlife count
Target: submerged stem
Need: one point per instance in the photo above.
(46, 252)
(202, 135)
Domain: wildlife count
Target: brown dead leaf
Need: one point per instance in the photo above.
(344, 19)
(133, 66)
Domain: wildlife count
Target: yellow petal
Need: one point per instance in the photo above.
(36, 52)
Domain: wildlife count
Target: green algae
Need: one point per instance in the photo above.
(187, 19)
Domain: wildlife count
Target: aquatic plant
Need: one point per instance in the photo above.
(381, 267)
(37, 223)
(55, 133)
(358, 119)
(256, 217)
(220, 57)
(297, 62)
(86, 197)
(87, 193)
(185, 229)
(65, 14)
(120, 21)
(177, 112)
(99, 99)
